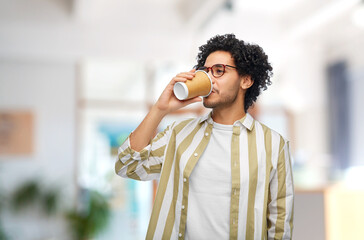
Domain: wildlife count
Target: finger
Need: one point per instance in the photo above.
(186, 75)
(179, 79)
(193, 100)
(193, 70)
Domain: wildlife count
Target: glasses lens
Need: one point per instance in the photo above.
(218, 70)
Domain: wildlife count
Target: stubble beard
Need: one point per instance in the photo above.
(221, 102)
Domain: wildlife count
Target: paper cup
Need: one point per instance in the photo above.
(200, 85)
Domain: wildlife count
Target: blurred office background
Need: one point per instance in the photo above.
(76, 76)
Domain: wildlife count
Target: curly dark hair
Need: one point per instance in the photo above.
(249, 59)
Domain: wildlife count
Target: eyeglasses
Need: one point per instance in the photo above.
(217, 70)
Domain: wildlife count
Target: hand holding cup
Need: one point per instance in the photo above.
(168, 102)
(199, 85)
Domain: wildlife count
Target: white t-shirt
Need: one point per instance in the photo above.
(210, 188)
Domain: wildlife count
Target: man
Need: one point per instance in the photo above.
(223, 175)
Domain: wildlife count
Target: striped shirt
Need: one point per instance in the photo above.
(261, 203)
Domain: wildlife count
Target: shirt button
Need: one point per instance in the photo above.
(206, 134)
(183, 206)
(185, 180)
(180, 234)
(195, 154)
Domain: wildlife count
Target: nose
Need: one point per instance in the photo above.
(212, 78)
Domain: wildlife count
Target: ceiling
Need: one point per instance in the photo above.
(163, 28)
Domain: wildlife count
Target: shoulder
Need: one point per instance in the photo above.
(184, 124)
(273, 135)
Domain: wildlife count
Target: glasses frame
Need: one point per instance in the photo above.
(207, 69)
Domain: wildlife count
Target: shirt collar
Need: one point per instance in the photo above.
(205, 117)
(246, 121)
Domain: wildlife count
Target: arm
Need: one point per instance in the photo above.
(140, 157)
(166, 103)
(281, 194)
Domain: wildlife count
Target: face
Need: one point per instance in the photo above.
(226, 89)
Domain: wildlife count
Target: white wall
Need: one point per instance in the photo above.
(48, 90)
(357, 117)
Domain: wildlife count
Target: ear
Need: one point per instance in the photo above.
(246, 82)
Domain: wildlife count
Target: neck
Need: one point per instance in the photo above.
(228, 115)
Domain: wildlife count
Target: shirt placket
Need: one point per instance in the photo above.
(186, 175)
(235, 182)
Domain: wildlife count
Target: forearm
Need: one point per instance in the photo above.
(166, 103)
(142, 135)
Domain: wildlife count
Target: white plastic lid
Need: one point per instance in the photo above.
(180, 90)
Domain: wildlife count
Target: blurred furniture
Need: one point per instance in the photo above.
(344, 212)
(333, 213)
(309, 214)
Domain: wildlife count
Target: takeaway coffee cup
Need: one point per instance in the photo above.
(200, 85)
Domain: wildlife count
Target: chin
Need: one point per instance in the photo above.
(208, 104)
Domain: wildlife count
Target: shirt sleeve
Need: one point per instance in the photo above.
(281, 194)
(146, 164)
